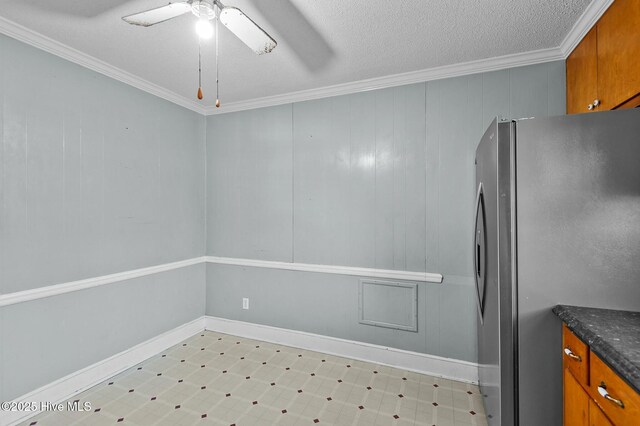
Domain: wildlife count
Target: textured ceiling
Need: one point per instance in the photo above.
(320, 43)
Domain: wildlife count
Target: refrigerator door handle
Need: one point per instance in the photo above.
(478, 258)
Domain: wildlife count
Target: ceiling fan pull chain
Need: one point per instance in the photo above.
(199, 71)
(217, 83)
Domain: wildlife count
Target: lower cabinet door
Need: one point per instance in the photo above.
(576, 402)
(596, 416)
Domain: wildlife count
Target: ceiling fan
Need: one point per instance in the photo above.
(233, 18)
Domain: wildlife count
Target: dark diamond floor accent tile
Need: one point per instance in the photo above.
(164, 356)
(97, 410)
(177, 406)
(202, 366)
(257, 346)
(313, 374)
(404, 378)
(180, 381)
(139, 368)
(288, 368)
(255, 402)
(228, 395)
(273, 384)
(159, 374)
(324, 360)
(264, 363)
(182, 360)
(368, 387)
(435, 404)
(473, 413)
(221, 353)
(224, 371)
(203, 416)
(299, 390)
(241, 357)
(284, 411)
(153, 398)
(278, 350)
(300, 356)
(375, 372)
(110, 383)
(400, 396)
(470, 393)
(329, 398)
(316, 421)
(247, 378)
(33, 423)
(203, 387)
(348, 366)
(361, 407)
(395, 416)
(436, 385)
(202, 349)
(130, 390)
(339, 380)
(121, 419)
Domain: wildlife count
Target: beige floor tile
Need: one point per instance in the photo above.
(217, 379)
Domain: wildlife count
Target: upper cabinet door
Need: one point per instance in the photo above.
(619, 54)
(582, 75)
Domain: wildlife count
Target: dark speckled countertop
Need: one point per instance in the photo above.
(613, 335)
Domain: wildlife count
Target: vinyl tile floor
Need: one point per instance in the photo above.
(219, 379)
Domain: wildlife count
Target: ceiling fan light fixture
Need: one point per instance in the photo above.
(203, 9)
(204, 28)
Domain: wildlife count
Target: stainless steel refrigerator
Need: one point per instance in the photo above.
(557, 222)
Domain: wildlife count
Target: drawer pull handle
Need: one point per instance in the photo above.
(602, 389)
(572, 355)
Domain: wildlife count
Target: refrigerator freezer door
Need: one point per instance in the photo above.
(488, 329)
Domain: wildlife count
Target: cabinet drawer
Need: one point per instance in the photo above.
(605, 381)
(575, 356)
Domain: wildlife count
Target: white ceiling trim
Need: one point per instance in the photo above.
(588, 19)
(593, 12)
(54, 47)
(430, 74)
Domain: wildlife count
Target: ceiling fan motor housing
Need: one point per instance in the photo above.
(203, 9)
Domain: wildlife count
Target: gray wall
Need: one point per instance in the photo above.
(96, 177)
(381, 179)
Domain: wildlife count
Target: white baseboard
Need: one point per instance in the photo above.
(454, 369)
(81, 380)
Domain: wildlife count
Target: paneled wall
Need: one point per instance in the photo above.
(381, 179)
(96, 178)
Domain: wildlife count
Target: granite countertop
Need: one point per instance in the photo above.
(612, 335)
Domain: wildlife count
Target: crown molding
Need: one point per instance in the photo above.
(589, 17)
(42, 42)
(420, 76)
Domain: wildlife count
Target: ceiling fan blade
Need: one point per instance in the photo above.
(246, 30)
(159, 14)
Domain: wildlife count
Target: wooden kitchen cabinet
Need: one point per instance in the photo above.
(596, 416)
(602, 71)
(582, 74)
(575, 402)
(585, 378)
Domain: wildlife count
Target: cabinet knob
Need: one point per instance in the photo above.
(602, 390)
(590, 107)
(571, 355)
(596, 103)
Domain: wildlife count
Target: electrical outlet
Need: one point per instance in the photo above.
(245, 303)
